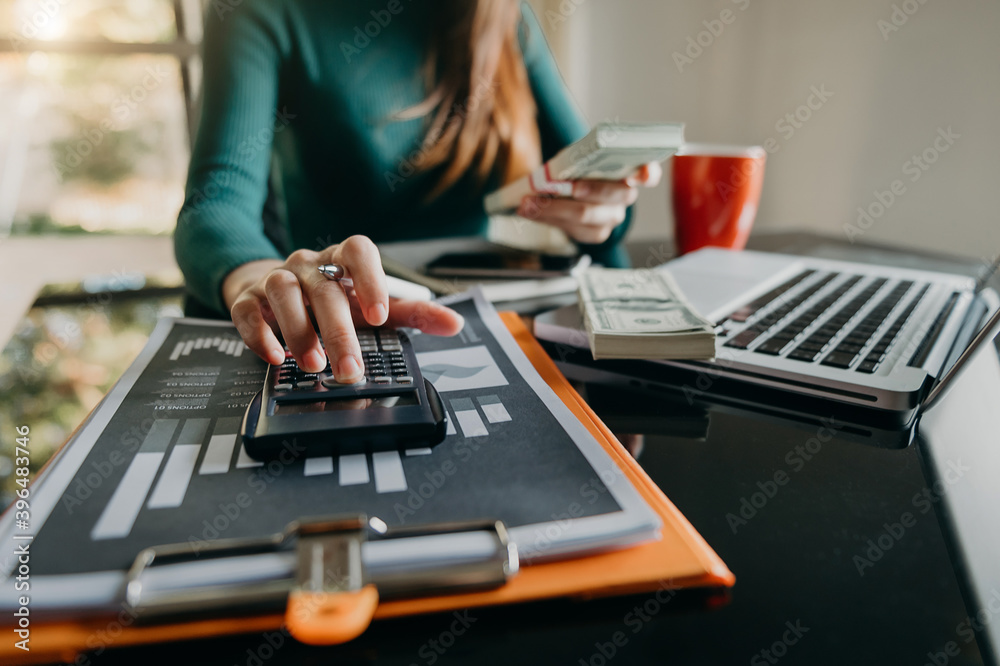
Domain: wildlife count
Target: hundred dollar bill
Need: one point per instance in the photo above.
(642, 314)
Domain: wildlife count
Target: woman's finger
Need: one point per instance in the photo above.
(581, 232)
(559, 211)
(284, 297)
(332, 311)
(360, 257)
(429, 317)
(254, 329)
(606, 192)
(583, 222)
(648, 175)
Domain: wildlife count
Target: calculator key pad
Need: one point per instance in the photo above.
(384, 361)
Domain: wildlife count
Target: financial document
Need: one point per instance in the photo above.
(161, 461)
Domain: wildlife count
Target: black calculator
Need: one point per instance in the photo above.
(393, 407)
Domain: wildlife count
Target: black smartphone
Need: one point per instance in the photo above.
(506, 264)
(393, 407)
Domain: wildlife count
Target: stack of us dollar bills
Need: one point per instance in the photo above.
(611, 151)
(641, 314)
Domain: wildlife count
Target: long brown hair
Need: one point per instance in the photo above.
(480, 109)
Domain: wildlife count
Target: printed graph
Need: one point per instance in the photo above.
(466, 369)
(220, 344)
(383, 469)
(471, 422)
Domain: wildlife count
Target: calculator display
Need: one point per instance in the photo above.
(346, 403)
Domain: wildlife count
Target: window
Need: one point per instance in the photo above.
(99, 111)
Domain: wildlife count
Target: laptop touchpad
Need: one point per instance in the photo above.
(715, 280)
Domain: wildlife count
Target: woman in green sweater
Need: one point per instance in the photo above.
(369, 121)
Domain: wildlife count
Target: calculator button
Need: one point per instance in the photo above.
(390, 348)
(330, 382)
(282, 387)
(405, 379)
(382, 380)
(305, 385)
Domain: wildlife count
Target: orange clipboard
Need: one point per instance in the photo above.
(680, 558)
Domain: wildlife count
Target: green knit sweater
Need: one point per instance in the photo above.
(299, 97)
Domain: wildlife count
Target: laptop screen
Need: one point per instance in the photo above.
(984, 335)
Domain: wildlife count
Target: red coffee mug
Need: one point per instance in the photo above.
(716, 192)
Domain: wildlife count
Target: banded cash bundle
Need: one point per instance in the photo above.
(611, 151)
(641, 314)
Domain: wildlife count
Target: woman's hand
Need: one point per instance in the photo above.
(596, 207)
(271, 296)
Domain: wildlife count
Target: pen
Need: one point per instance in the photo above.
(397, 288)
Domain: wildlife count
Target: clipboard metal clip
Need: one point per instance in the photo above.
(335, 571)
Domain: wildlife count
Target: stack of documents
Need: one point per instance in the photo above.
(641, 314)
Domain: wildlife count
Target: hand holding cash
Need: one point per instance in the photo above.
(641, 314)
(586, 188)
(611, 151)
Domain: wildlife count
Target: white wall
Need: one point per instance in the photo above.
(890, 96)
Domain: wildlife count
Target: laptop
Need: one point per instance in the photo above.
(884, 338)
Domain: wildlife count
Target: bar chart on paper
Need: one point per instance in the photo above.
(215, 443)
(165, 464)
(225, 345)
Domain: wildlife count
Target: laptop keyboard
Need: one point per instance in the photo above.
(743, 340)
(816, 347)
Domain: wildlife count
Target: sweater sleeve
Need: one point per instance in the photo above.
(220, 226)
(560, 121)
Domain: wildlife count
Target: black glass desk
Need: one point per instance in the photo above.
(842, 553)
